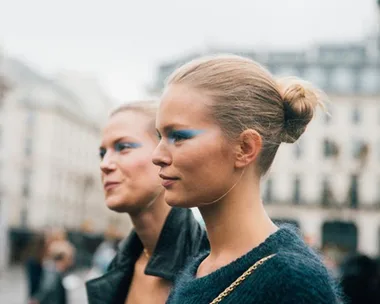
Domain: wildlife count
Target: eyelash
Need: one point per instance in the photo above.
(119, 147)
(122, 146)
(177, 136)
(102, 153)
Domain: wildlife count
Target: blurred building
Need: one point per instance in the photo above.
(4, 88)
(49, 141)
(328, 183)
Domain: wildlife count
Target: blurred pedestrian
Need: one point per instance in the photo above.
(34, 257)
(60, 259)
(360, 279)
(163, 238)
(55, 234)
(105, 252)
(221, 121)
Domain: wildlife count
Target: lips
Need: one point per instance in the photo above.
(110, 185)
(168, 181)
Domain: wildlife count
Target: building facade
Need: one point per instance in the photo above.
(328, 182)
(49, 138)
(3, 207)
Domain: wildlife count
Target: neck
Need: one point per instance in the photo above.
(241, 214)
(148, 223)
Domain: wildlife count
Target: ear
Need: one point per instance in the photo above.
(249, 147)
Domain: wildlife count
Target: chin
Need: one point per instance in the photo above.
(116, 207)
(117, 204)
(177, 202)
(126, 206)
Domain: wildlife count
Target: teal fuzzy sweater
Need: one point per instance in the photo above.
(294, 275)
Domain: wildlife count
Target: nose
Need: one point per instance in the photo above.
(107, 165)
(161, 155)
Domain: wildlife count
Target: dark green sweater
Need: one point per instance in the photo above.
(294, 275)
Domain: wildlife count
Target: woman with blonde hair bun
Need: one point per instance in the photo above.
(221, 121)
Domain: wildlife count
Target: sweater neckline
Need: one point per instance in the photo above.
(238, 266)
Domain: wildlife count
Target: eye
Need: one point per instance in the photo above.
(177, 136)
(102, 153)
(180, 135)
(124, 146)
(158, 135)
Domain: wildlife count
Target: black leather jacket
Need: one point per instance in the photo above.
(181, 239)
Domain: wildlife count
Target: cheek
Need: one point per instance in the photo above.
(139, 167)
(208, 158)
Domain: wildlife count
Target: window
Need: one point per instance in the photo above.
(25, 190)
(356, 147)
(297, 191)
(360, 149)
(317, 76)
(353, 192)
(330, 148)
(356, 115)
(343, 80)
(30, 120)
(327, 194)
(369, 80)
(327, 148)
(27, 174)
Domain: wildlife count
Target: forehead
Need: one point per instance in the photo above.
(126, 124)
(183, 105)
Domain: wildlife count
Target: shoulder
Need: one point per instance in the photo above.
(294, 277)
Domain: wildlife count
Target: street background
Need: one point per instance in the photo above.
(65, 64)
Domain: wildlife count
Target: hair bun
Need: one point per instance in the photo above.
(300, 100)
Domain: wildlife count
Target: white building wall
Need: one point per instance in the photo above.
(64, 153)
(64, 150)
(313, 167)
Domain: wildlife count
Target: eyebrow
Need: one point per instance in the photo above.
(175, 126)
(119, 139)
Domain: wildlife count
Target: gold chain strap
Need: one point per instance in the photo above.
(240, 279)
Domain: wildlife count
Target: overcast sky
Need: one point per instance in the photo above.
(122, 41)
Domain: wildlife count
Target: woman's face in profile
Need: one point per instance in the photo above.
(196, 160)
(130, 180)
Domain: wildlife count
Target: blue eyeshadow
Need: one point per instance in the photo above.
(178, 135)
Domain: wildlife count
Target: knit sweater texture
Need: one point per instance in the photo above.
(295, 274)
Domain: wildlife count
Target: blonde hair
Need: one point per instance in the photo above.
(146, 107)
(247, 96)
